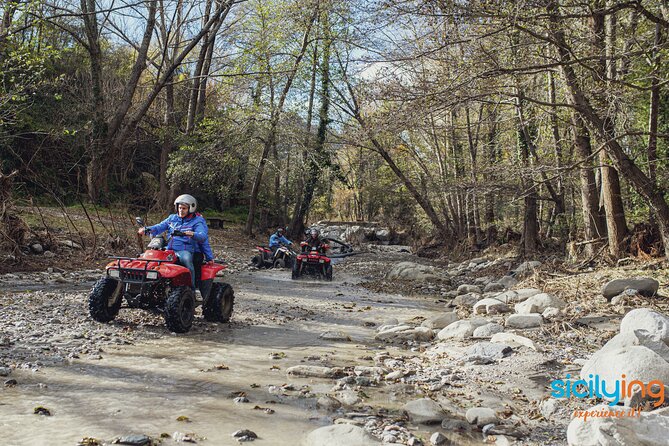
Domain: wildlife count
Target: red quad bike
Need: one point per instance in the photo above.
(313, 261)
(155, 281)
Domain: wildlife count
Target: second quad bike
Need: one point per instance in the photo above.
(313, 261)
(283, 257)
(155, 281)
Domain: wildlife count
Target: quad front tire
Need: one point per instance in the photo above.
(295, 271)
(279, 264)
(180, 309)
(218, 308)
(105, 299)
(328, 273)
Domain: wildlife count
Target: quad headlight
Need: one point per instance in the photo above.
(114, 273)
(151, 275)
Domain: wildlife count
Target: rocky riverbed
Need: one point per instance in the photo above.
(397, 350)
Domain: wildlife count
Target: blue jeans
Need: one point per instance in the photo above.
(186, 259)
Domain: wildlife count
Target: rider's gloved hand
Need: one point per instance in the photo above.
(188, 233)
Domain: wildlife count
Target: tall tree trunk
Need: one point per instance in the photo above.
(297, 223)
(593, 224)
(530, 235)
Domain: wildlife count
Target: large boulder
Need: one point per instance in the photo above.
(412, 271)
(461, 329)
(646, 429)
(486, 352)
(340, 435)
(538, 303)
(638, 337)
(657, 324)
(465, 289)
(646, 286)
(636, 363)
(487, 330)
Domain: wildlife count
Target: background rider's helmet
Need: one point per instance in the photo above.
(280, 231)
(314, 233)
(187, 200)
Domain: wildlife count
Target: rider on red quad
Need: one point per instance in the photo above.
(276, 239)
(313, 241)
(193, 225)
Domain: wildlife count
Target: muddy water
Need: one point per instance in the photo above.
(144, 388)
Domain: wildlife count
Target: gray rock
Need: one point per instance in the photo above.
(487, 330)
(244, 435)
(538, 303)
(481, 416)
(404, 333)
(437, 439)
(493, 286)
(70, 244)
(515, 296)
(514, 340)
(314, 371)
(466, 300)
(48, 254)
(527, 267)
(507, 281)
(455, 425)
(550, 313)
(348, 397)
(648, 429)
(465, 289)
(36, 248)
(392, 376)
(441, 321)
(335, 336)
(340, 435)
(549, 407)
(655, 323)
(486, 352)
(135, 440)
(382, 235)
(5, 371)
(524, 321)
(424, 411)
(646, 286)
(461, 329)
(328, 403)
(490, 306)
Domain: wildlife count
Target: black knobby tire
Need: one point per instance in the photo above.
(279, 264)
(260, 262)
(105, 299)
(218, 308)
(295, 271)
(328, 272)
(180, 309)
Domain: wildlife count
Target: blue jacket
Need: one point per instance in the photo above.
(192, 222)
(276, 240)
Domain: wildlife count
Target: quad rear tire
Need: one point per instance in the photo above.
(218, 308)
(105, 299)
(279, 264)
(180, 309)
(328, 272)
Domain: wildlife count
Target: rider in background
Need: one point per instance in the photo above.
(276, 239)
(313, 241)
(194, 228)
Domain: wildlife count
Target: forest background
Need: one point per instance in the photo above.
(462, 124)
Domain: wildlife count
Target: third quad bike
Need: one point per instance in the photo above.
(313, 261)
(155, 281)
(283, 257)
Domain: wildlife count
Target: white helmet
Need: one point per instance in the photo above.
(186, 199)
